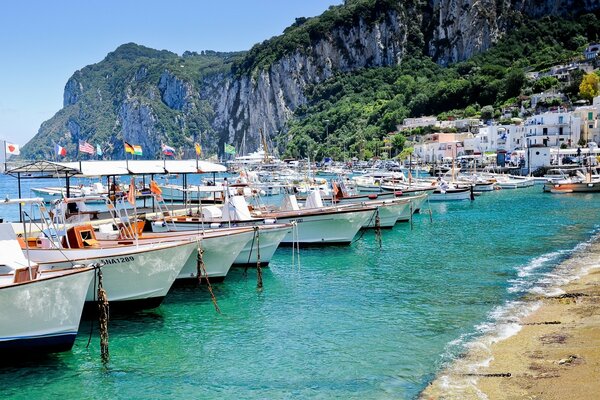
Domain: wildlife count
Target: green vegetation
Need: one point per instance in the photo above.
(358, 109)
(131, 73)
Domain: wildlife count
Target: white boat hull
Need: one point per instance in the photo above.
(389, 212)
(269, 240)
(43, 315)
(450, 195)
(218, 255)
(139, 275)
(484, 187)
(324, 228)
(221, 252)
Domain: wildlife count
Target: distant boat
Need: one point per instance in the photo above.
(583, 183)
(50, 194)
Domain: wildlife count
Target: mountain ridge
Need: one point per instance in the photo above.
(148, 96)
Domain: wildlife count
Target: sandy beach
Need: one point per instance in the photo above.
(554, 355)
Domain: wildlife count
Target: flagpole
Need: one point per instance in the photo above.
(5, 160)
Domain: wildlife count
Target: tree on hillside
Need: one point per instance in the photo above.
(588, 89)
(487, 113)
(398, 141)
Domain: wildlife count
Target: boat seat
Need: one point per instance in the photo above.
(22, 274)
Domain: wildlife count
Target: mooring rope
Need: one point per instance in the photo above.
(201, 271)
(259, 280)
(295, 243)
(103, 317)
(364, 230)
(430, 213)
(378, 228)
(250, 254)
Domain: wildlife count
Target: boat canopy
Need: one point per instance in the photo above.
(11, 256)
(117, 167)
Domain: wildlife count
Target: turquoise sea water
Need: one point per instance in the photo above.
(348, 322)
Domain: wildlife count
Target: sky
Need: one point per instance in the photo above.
(42, 43)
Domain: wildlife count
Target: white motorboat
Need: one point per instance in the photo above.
(372, 181)
(451, 191)
(513, 182)
(232, 217)
(136, 275)
(416, 194)
(451, 194)
(318, 225)
(220, 247)
(388, 212)
(40, 311)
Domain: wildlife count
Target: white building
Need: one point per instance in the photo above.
(410, 123)
(436, 147)
(552, 129)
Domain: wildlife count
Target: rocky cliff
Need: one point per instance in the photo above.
(148, 97)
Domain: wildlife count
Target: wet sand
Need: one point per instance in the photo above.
(554, 355)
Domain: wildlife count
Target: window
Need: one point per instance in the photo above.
(591, 126)
(560, 119)
(590, 115)
(545, 131)
(560, 131)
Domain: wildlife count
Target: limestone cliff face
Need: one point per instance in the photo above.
(267, 98)
(139, 122)
(463, 28)
(175, 92)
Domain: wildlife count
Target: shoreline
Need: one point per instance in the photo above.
(550, 352)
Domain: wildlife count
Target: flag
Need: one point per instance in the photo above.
(60, 151)
(155, 189)
(85, 147)
(98, 150)
(229, 149)
(168, 150)
(198, 149)
(128, 148)
(12, 148)
(137, 150)
(131, 193)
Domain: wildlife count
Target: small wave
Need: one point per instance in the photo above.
(542, 276)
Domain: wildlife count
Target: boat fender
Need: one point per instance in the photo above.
(160, 224)
(372, 196)
(398, 193)
(270, 221)
(215, 225)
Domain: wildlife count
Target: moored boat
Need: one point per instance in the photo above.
(40, 311)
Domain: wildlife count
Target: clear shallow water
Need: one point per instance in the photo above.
(350, 322)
